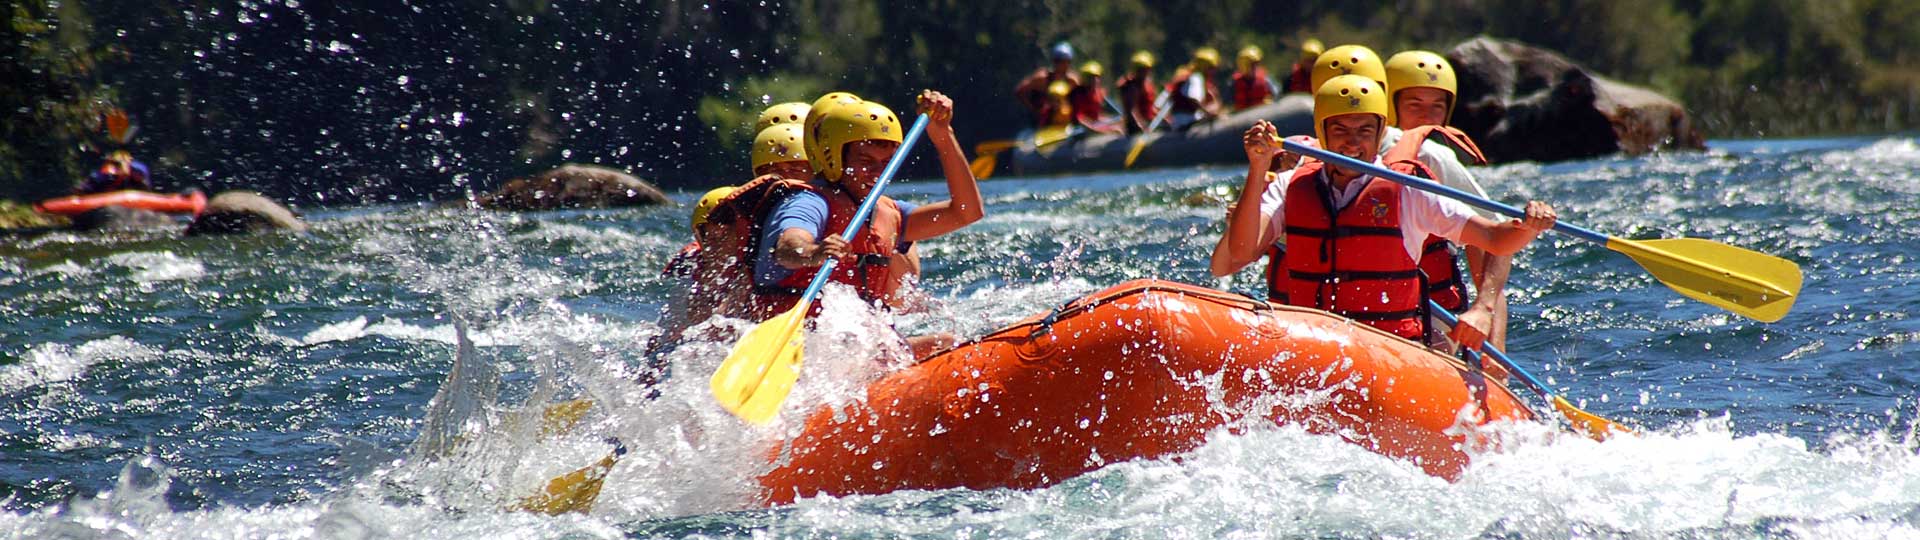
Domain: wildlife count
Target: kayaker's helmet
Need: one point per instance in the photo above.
(1206, 59)
(1249, 56)
(123, 157)
(1093, 69)
(792, 112)
(828, 137)
(819, 109)
(1142, 60)
(1347, 94)
(1348, 60)
(1061, 52)
(779, 143)
(706, 205)
(1422, 69)
(1310, 50)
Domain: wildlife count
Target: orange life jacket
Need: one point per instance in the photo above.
(1351, 261)
(1251, 89)
(742, 212)
(1439, 259)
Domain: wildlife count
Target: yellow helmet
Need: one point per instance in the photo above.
(1142, 60)
(1206, 58)
(820, 108)
(828, 136)
(1310, 49)
(1347, 94)
(1249, 56)
(1059, 89)
(706, 204)
(122, 157)
(1348, 60)
(779, 143)
(792, 112)
(1422, 69)
(1093, 69)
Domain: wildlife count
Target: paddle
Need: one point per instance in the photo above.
(757, 376)
(1140, 141)
(119, 129)
(987, 152)
(1595, 426)
(574, 491)
(1746, 282)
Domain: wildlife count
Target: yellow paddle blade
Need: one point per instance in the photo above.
(994, 146)
(574, 491)
(561, 417)
(1752, 284)
(1052, 134)
(1139, 143)
(757, 369)
(982, 166)
(1596, 427)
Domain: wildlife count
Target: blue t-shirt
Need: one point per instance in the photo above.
(807, 211)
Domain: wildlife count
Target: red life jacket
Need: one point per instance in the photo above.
(1439, 259)
(1251, 89)
(683, 263)
(1351, 261)
(1137, 94)
(870, 271)
(1298, 80)
(1180, 102)
(1088, 101)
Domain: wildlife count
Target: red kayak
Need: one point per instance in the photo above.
(178, 203)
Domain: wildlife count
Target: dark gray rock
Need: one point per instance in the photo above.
(1525, 103)
(573, 186)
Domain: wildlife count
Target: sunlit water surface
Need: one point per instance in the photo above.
(279, 385)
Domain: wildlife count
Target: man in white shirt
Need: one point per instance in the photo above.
(1349, 223)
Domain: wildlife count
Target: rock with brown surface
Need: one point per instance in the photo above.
(573, 186)
(235, 212)
(1525, 103)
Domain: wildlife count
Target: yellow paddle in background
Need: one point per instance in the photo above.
(986, 154)
(1594, 425)
(760, 371)
(576, 491)
(1749, 283)
(1140, 141)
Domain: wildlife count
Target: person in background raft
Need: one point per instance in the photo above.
(1194, 98)
(1089, 100)
(1058, 111)
(1299, 79)
(1251, 85)
(1137, 93)
(1422, 87)
(1033, 90)
(848, 145)
(119, 171)
(1354, 240)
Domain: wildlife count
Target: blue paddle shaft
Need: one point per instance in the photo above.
(1498, 356)
(866, 206)
(1436, 187)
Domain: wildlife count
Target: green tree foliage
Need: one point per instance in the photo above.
(359, 101)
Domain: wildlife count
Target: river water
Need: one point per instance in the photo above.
(279, 385)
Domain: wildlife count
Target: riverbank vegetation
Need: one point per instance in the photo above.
(368, 102)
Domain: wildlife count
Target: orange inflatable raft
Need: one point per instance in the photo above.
(179, 203)
(1143, 369)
